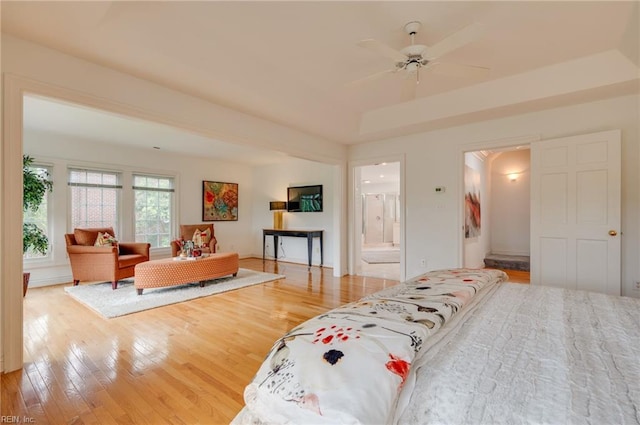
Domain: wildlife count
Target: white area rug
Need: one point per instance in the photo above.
(125, 300)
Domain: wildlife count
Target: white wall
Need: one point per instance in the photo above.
(65, 151)
(433, 221)
(271, 182)
(475, 249)
(510, 203)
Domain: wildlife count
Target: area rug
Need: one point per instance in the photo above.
(381, 256)
(125, 300)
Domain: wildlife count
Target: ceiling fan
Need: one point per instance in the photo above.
(416, 57)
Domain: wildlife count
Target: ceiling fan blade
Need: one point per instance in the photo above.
(372, 77)
(458, 39)
(458, 70)
(383, 49)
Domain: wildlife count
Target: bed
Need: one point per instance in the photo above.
(456, 346)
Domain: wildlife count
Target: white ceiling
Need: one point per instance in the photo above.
(381, 173)
(90, 125)
(293, 62)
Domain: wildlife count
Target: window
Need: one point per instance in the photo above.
(153, 206)
(41, 217)
(95, 197)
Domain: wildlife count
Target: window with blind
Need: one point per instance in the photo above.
(95, 198)
(153, 206)
(40, 217)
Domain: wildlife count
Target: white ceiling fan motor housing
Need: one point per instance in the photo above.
(414, 50)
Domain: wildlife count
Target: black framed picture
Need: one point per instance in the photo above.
(304, 198)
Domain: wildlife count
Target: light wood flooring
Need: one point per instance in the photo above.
(187, 363)
(518, 276)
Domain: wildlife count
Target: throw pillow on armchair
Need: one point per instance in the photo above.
(201, 238)
(202, 235)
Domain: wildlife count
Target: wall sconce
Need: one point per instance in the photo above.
(278, 207)
(513, 176)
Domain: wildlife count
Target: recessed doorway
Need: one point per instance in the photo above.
(378, 216)
(497, 210)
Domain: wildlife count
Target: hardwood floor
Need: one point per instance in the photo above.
(518, 276)
(186, 363)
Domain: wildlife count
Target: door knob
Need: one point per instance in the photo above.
(612, 233)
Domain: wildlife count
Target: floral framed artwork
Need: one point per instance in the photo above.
(219, 201)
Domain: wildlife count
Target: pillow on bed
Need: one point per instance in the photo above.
(347, 369)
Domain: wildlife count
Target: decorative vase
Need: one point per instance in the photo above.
(25, 282)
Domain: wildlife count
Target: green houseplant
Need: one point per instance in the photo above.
(35, 185)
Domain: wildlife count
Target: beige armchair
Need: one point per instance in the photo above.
(102, 263)
(187, 232)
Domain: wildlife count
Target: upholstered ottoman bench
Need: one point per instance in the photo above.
(170, 272)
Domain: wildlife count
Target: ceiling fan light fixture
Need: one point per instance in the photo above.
(411, 58)
(412, 67)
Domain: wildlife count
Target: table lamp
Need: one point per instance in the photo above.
(278, 207)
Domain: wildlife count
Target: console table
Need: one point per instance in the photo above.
(309, 234)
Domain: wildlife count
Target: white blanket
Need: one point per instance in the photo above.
(354, 363)
(534, 355)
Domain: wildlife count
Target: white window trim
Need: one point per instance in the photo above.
(125, 231)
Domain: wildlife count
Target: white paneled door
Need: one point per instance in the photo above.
(575, 212)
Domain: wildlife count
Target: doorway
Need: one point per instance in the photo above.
(573, 211)
(497, 210)
(377, 220)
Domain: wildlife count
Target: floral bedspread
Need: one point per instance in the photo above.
(350, 364)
